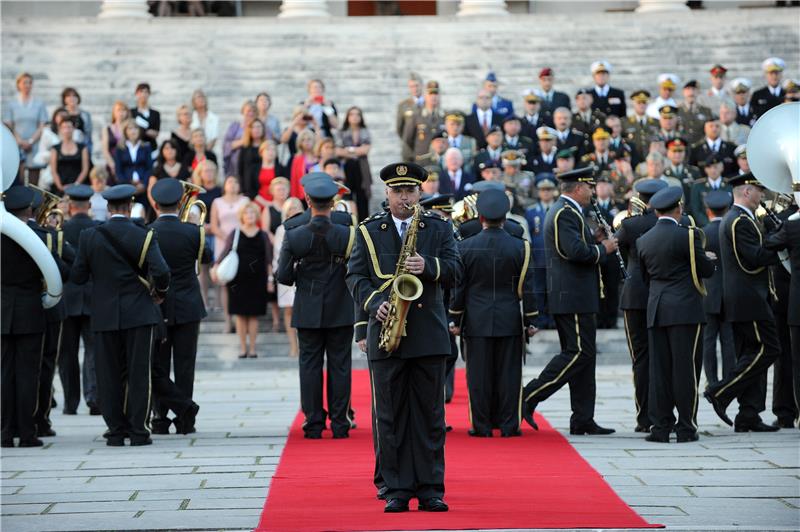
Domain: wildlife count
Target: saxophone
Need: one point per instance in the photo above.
(405, 288)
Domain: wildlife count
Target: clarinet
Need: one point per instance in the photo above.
(609, 234)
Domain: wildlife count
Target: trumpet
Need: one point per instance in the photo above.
(189, 201)
(48, 207)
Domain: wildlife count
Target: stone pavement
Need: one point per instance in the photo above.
(218, 478)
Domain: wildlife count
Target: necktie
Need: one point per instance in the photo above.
(453, 181)
(485, 123)
(403, 227)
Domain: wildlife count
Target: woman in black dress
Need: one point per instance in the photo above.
(69, 160)
(247, 292)
(168, 165)
(249, 158)
(353, 148)
(182, 135)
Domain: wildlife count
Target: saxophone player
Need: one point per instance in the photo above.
(408, 382)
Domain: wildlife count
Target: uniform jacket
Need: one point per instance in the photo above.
(572, 261)
(559, 99)
(611, 104)
(530, 124)
(372, 266)
(638, 134)
(697, 200)
(762, 100)
(498, 274)
(687, 175)
(64, 255)
(577, 139)
(473, 227)
(183, 246)
(693, 120)
(746, 284)
(474, 128)
(314, 258)
(78, 297)
(337, 217)
(21, 294)
(120, 300)
(538, 164)
(712, 303)
(700, 151)
(421, 128)
(596, 119)
(746, 118)
(485, 155)
(634, 290)
(500, 106)
(788, 237)
(673, 264)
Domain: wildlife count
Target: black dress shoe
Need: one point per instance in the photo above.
(7, 443)
(783, 423)
(592, 430)
(115, 442)
(434, 504)
(657, 438)
(719, 408)
(312, 436)
(94, 410)
(448, 428)
(640, 428)
(70, 412)
(527, 414)
(510, 434)
(395, 506)
(478, 434)
(758, 426)
(33, 442)
(159, 429)
(137, 443)
(340, 435)
(46, 433)
(185, 425)
(688, 438)
(382, 491)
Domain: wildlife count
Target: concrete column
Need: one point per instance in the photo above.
(124, 9)
(654, 6)
(304, 9)
(482, 8)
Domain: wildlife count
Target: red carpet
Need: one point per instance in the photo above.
(534, 481)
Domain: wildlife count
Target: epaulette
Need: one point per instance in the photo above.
(436, 215)
(376, 216)
(588, 157)
(698, 180)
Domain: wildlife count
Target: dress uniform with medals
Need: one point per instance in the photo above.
(541, 162)
(573, 292)
(667, 83)
(693, 116)
(746, 298)
(405, 112)
(183, 247)
(607, 99)
(124, 262)
(423, 125)
(684, 173)
(768, 96)
(700, 152)
(408, 383)
(673, 264)
(488, 153)
(517, 142)
(639, 129)
(574, 138)
(535, 216)
(77, 324)
(601, 160)
(744, 110)
(313, 258)
(587, 121)
(498, 275)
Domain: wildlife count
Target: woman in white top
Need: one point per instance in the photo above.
(291, 207)
(204, 119)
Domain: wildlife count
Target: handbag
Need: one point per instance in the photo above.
(228, 267)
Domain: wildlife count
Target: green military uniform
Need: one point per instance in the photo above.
(692, 119)
(423, 125)
(405, 113)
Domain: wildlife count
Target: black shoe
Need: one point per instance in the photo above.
(252, 355)
(657, 438)
(94, 410)
(46, 433)
(115, 442)
(640, 428)
(783, 423)
(434, 504)
(185, 425)
(69, 412)
(758, 426)
(592, 430)
(477, 434)
(7, 443)
(312, 436)
(159, 429)
(243, 355)
(448, 428)
(510, 434)
(137, 443)
(719, 408)
(382, 491)
(33, 442)
(341, 436)
(688, 438)
(527, 414)
(395, 506)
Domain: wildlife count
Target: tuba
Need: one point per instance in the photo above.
(189, 201)
(48, 207)
(774, 155)
(465, 210)
(405, 288)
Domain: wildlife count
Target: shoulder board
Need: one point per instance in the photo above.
(434, 215)
(698, 181)
(587, 157)
(376, 216)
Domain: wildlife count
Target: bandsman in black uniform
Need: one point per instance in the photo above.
(473, 227)
(410, 416)
(183, 247)
(573, 260)
(673, 264)
(313, 258)
(130, 278)
(746, 299)
(485, 310)
(77, 324)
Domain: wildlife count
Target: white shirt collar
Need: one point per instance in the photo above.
(602, 91)
(168, 215)
(575, 203)
(398, 221)
(715, 183)
(118, 216)
(713, 144)
(670, 218)
(745, 209)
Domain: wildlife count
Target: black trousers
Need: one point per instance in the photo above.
(757, 348)
(123, 362)
(316, 345)
(494, 378)
(783, 400)
(717, 327)
(675, 364)
(638, 345)
(20, 356)
(69, 368)
(176, 352)
(377, 479)
(794, 331)
(450, 370)
(609, 303)
(47, 372)
(409, 405)
(574, 365)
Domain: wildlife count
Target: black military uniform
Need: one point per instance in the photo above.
(701, 151)
(183, 247)
(589, 121)
(313, 257)
(673, 264)
(609, 270)
(409, 417)
(76, 326)
(576, 139)
(746, 301)
(718, 201)
(612, 103)
(573, 292)
(763, 100)
(498, 274)
(124, 315)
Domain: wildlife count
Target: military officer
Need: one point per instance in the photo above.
(565, 160)
(485, 310)
(405, 111)
(544, 160)
(601, 157)
(535, 216)
(502, 106)
(435, 155)
(680, 170)
(717, 93)
(718, 202)
(517, 180)
(533, 117)
(493, 149)
(183, 247)
(606, 99)
(772, 93)
(573, 294)
(634, 298)
(712, 143)
(673, 264)
(402, 423)
(129, 279)
(691, 114)
(712, 166)
(669, 127)
(586, 118)
(454, 127)
(425, 123)
(551, 98)
(741, 98)
(667, 83)
(639, 127)
(568, 136)
(77, 324)
(513, 138)
(746, 304)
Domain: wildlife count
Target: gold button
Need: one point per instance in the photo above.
(419, 305)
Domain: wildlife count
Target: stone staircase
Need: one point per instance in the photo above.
(366, 61)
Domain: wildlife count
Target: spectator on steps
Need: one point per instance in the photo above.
(292, 207)
(355, 142)
(69, 160)
(270, 169)
(249, 158)
(197, 152)
(232, 142)
(271, 122)
(324, 149)
(112, 135)
(205, 175)
(71, 101)
(26, 117)
(49, 139)
(149, 120)
(167, 166)
(301, 120)
(182, 135)
(302, 162)
(204, 119)
(321, 108)
(132, 160)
